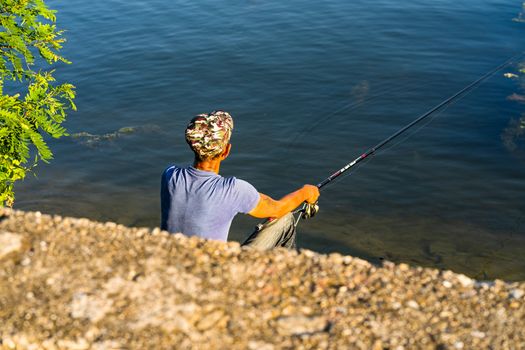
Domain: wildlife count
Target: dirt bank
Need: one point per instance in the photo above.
(76, 284)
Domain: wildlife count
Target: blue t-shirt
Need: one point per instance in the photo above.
(202, 203)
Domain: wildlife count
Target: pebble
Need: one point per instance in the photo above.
(210, 320)
(26, 261)
(413, 304)
(477, 334)
(465, 281)
(459, 345)
(447, 284)
(516, 293)
(301, 325)
(10, 243)
(259, 345)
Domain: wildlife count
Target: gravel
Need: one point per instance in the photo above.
(70, 283)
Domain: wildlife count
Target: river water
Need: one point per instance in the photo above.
(311, 85)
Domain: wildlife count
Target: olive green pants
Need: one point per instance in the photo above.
(271, 234)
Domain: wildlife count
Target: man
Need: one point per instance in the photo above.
(197, 201)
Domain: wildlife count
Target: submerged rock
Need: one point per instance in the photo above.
(92, 140)
(517, 98)
(513, 136)
(78, 284)
(360, 91)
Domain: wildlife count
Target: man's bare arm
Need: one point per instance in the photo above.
(271, 208)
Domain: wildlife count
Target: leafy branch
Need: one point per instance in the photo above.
(36, 105)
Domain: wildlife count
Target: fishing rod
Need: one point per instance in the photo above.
(446, 102)
(309, 210)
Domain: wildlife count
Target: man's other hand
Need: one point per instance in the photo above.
(271, 208)
(311, 193)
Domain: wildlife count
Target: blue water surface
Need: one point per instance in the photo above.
(311, 85)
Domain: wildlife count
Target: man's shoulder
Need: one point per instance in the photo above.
(242, 185)
(170, 168)
(174, 168)
(174, 172)
(246, 196)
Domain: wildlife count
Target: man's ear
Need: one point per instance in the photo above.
(226, 151)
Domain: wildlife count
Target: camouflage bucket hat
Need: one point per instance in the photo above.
(209, 133)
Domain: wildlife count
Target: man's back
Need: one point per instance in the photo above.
(203, 203)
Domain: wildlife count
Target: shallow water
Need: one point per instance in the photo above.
(310, 85)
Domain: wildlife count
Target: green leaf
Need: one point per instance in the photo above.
(42, 149)
(4, 132)
(9, 116)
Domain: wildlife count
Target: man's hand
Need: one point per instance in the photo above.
(271, 208)
(311, 193)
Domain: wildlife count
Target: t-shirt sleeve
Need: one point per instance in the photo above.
(247, 196)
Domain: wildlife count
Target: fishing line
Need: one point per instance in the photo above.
(350, 106)
(412, 133)
(430, 120)
(360, 165)
(438, 107)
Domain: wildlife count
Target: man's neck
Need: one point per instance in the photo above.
(212, 165)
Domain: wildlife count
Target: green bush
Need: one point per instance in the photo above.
(32, 104)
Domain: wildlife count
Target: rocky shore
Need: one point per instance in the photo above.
(76, 284)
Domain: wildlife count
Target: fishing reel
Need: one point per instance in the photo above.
(309, 210)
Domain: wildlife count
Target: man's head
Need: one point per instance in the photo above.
(209, 134)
